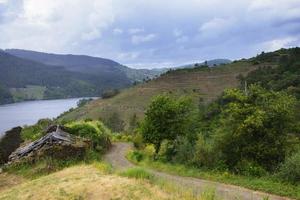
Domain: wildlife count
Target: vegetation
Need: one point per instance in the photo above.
(285, 77)
(110, 93)
(269, 184)
(253, 129)
(247, 136)
(206, 84)
(5, 96)
(138, 173)
(290, 170)
(83, 102)
(166, 119)
(34, 132)
(93, 130)
(30, 92)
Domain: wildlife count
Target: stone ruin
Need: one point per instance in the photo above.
(57, 143)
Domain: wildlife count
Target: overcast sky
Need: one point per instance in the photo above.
(151, 33)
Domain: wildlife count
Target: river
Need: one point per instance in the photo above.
(28, 113)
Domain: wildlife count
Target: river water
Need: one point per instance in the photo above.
(28, 113)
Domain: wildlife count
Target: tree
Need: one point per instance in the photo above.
(254, 126)
(166, 119)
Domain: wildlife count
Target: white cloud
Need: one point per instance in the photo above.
(216, 25)
(53, 25)
(137, 39)
(279, 43)
(187, 30)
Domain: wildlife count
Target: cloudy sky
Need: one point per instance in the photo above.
(151, 33)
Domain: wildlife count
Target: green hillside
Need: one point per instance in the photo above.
(22, 79)
(202, 84)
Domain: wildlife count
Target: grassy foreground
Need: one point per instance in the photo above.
(84, 182)
(97, 181)
(265, 184)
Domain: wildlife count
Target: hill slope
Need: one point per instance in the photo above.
(104, 68)
(202, 84)
(18, 76)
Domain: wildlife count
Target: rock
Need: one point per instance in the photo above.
(56, 144)
(9, 143)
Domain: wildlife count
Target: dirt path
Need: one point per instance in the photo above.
(117, 157)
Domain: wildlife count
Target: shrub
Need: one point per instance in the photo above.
(184, 150)
(138, 141)
(93, 130)
(203, 155)
(290, 170)
(248, 168)
(136, 156)
(110, 93)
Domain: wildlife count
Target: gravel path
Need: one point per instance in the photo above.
(117, 157)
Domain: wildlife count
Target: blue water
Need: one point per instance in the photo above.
(28, 113)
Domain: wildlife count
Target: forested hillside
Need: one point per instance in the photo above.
(108, 70)
(18, 75)
(285, 77)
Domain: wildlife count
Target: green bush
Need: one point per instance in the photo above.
(184, 151)
(136, 156)
(93, 130)
(138, 141)
(290, 170)
(248, 168)
(203, 155)
(254, 126)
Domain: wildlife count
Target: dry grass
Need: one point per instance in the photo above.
(9, 180)
(84, 182)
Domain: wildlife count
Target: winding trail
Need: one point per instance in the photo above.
(117, 157)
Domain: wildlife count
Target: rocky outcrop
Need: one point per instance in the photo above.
(9, 143)
(56, 144)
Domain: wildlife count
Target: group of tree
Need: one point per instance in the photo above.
(252, 131)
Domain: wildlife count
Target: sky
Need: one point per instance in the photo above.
(151, 33)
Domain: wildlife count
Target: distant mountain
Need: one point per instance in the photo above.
(23, 79)
(210, 63)
(104, 68)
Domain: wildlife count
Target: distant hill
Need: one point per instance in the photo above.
(30, 75)
(105, 69)
(202, 83)
(210, 63)
(18, 75)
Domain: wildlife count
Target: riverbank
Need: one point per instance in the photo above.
(29, 112)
